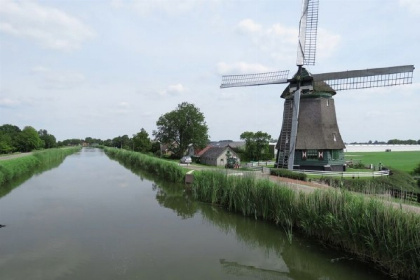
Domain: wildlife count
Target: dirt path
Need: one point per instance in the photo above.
(6, 157)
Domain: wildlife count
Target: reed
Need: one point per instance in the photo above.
(14, 168)
(164, 169)
(366, 227)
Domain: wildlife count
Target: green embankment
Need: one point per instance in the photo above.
(383, 235)
(366, 227)
(167, 170)
(14, 168)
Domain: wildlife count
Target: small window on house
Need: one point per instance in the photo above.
(311, 154)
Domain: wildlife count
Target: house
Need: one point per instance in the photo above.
(216, 156)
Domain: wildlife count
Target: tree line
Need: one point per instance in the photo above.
(390, 142)
(176, 131)
(13, 139)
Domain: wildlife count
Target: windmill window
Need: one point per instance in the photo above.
(328, 102)
(312, 154)
(335, 138)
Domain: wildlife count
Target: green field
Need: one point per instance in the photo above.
(404, 161)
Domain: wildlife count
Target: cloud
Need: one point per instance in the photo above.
(280, 41)
(249, 26)
(412, 6)
(9, 103)
(173, 90)
(122, 108)
(326, 43)
(49, 27)
(52, 79)
(168, 7)
(241, 68)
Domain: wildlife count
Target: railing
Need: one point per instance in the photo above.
(404, 195)
(345, 174)
(258, 163)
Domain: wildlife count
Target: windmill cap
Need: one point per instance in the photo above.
(306, 79)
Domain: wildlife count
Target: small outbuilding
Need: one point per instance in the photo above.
(216, 156)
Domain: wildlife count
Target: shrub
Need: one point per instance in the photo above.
(288, 174)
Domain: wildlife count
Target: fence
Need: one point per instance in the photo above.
(404, 195)
(345, 174)
(258, 165)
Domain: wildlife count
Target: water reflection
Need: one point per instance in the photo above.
(303, 259)
(93, 219)
(54, 162)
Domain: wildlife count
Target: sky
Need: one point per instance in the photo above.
(107, 68)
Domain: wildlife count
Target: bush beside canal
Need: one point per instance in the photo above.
(167, 170)
(13, 168)
(366, 227)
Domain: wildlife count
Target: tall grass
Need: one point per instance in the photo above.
(375, 232)
(14, 168)
(162, 168)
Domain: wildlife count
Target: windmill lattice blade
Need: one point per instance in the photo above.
(308, 27)
(376, 77)
(279, 77)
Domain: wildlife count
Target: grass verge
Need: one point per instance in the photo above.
(167, 170)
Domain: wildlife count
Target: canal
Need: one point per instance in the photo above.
(91, 218)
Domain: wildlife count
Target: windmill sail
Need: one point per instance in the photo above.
(376, 77)
(308, 26)
(268, 78)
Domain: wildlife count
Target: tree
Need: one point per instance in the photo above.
(256, 145)
(8, 136)
(141, 142)
(49, 139)
(181, 127)
(6, 143)
(70, 142)
(123, 142)
(28, 140)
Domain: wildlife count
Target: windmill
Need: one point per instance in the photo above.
(309, 137)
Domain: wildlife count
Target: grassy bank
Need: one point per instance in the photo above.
(404, 161)
(167, 170)
(385, 236)
(14, 168)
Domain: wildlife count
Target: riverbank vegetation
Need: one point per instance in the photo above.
(167, 170)
(366, 227)
(14, 168)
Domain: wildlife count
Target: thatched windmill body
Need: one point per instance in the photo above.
(309, 137)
